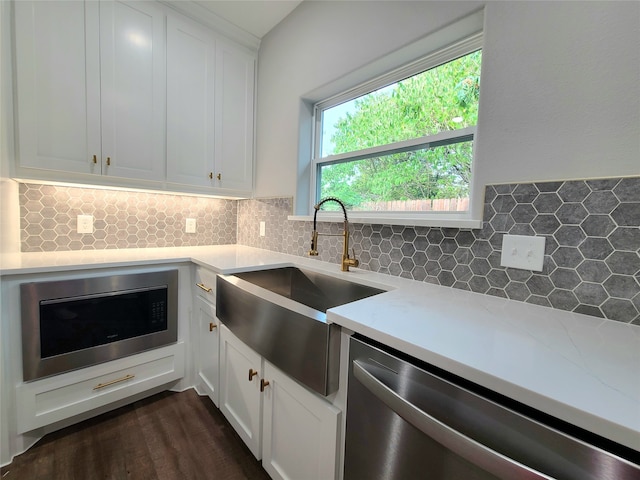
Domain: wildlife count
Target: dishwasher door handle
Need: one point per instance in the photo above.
(467, 448)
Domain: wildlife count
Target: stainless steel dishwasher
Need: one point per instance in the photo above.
(409, 420)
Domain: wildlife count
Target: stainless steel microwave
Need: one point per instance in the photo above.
(71, 324)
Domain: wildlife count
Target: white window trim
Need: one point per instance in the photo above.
(444, 48)
(452, 219)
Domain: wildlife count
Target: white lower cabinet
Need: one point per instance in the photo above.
(50, 400)
(206, 338)
(299, 430)
(293, 431)
(207, 349)
(240, 401)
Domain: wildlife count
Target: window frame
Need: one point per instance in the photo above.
(441, 56)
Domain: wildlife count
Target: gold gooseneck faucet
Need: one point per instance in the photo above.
(346, 261)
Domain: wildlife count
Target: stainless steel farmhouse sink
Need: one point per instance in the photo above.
(281, 314)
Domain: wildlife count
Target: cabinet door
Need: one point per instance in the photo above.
(234, 118)
(190, 103)
(58, 85)
(133, 89)
(300, 430)
(207, 349)
(240, 399)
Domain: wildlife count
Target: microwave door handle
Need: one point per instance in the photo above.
(474, 452)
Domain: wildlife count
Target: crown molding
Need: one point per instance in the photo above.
(211, 20)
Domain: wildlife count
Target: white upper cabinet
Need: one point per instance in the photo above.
(91, 87)
(58, 85)
(133, 89)
(131, 93)
(191, 60)
(235, 79)
(210, 110)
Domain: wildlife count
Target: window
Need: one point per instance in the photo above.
(402, 143)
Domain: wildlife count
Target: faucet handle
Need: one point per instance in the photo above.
(354, 261)
(314, 244)
(349, 262)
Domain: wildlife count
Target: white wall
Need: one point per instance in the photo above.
(560, 97)
(560, 92)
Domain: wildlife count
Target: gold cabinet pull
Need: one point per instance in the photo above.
(95, 159)
(252, 373)
(117, 380)
(204, 287)
(263, 383)
(108, 161)
(211, 175)
(212, 326)
(219, 176)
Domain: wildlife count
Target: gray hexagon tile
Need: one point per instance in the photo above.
(592, 231)
(591, 264)
(121, 219)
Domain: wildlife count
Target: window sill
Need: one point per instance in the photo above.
(466, 223)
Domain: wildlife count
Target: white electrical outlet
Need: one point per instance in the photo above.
(521, 251)
(190, 225)
(262, 229)
(85, 224)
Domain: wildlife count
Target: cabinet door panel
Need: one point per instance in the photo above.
(58, 85)
(300, 430)
(132, 56)
(240, 399)
(190, 103)
(207, 341)
(234, 121)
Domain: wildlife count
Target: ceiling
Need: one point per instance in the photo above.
(254, 16)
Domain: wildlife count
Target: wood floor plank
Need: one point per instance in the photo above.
(168, 436)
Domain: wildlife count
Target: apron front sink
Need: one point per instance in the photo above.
(281, 314)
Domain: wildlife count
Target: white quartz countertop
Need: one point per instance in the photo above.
(578, 368)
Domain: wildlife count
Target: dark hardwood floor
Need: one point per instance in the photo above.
(168, 436)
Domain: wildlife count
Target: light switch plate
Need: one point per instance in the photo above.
(262, 229)
(190, 225)
(522, 251)
(85, 224)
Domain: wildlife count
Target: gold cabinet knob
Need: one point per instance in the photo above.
(252, 373)
(212, 326)
(263, 383)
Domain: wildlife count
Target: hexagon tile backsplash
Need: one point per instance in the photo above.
(592, 230)
(592, 254)
(121, 219)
